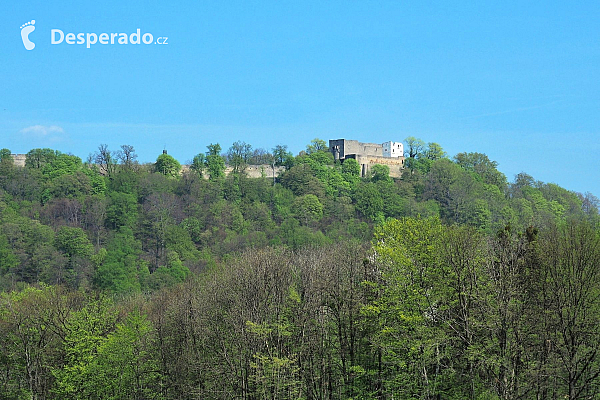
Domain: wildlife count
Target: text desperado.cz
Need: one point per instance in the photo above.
(57, 37)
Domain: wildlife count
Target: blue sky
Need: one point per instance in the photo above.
(519, 81)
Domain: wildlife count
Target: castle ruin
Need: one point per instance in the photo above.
(369, 154)
(19, 159)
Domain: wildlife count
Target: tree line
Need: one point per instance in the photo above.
(128, 280)
(429, 311)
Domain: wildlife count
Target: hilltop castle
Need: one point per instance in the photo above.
(368, 154)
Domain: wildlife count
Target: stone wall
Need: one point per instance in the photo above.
(348, 147)
(19, 159)
(396, 165)
(252, 171)
(256, 171)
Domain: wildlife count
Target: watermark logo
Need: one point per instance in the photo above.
(57, 36)
(26, 29)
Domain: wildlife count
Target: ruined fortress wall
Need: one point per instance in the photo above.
(350, 147)
(256, 171)
(19, 159)
(362, 149)
(395, 164)
(336, 147)
(252, 171)
(371, 149)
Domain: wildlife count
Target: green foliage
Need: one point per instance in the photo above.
(126, 366)
(380, 173)
(60, 165)
(308, 208)
(238, 156)
(73, 242)
(8, 260)
(316, 145)
(179, 240)
(32, 244)
(31, 339)
(481, 164)
(38, 158)
(122, 271)
(434, 152)
(198, 164)
(96, 181)
(73, 185)
(283, 157)
(168, 275)
(351, 167)
(369, 201)
(167, 165)
(424, 157)
(122, 210)
(214, 149)
(490, 293)
(414, 147)
(300, 180)
(215, 164)
(321, 157)
(107, 359)
(6, 163)
(231, 188)
(430, 311)
(87, 331)
(292, 234)
(127, 157)
(5, 155)
(274, 374)
(413, 307)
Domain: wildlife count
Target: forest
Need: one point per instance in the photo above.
(128, 280)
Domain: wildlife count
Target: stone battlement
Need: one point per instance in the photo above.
(19, 159)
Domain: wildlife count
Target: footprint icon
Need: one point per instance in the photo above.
(26, 29)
